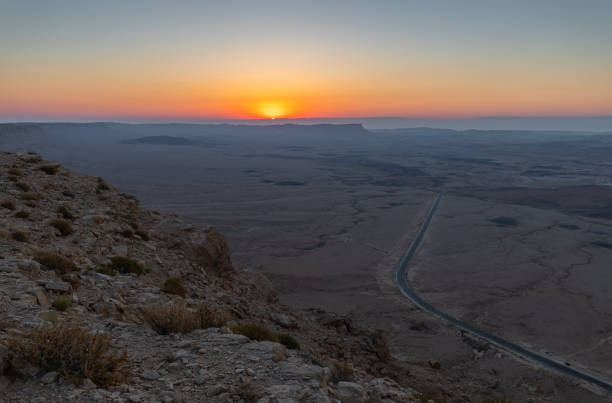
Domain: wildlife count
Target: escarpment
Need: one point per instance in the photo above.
(101, 300)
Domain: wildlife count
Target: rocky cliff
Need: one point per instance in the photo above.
(101, 300)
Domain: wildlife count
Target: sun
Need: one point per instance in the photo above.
(272, 110)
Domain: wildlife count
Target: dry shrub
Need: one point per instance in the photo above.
(341, 371)
(19, 236)
(69, 194)
(98, 220)
(34, 158)
(63, 226)
(74, 352)
(102, 185)
(125, 265)
(22, 214)
(13, 178)
(30, 196)
(65, 213)
(55, 261)
(8, 204)
(127, 233)
(174, 286)
(142, 234)
(288, 341)
(15, 172)
(62, 302)
(255, 331)
(214, 255)
(49, 169)
(175, 317)
(24, 187)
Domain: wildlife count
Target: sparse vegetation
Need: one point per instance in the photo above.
(49, 169)
(15, 172)
(255, 331)
(34, 158)
(62, 226)
(128, 233)
(427, 398)
(68, 193)
(30, 196)
(175, 317)
(76, 353)
(125, 265)
(102, 185)
(22, 214)
(173, 286)
(24, 187)
(62, 302)
(142, 234)
(19, 236)
(65, 213)
(55, 261)
(8, 204)
(98, 220)
(288, 341)
(341, 371)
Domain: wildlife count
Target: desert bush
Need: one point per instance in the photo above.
(142, 234)
(55, 261)
(15, 172)
(65, 213)
(288, 341)
(24, 187)
(173, 286)
(255, 331)
(13, 178)
(76, 353)
(62, 302)
(34, 158)
(125, 265)
(8, 204)
(102, 185)
(22, 214)
(49, 169)
(30, 196)
(63, 226)
(98, 220)
(19, 236)
(102, 198)
(175, 317)
(128, 233)
(341, 371)
(68, 193)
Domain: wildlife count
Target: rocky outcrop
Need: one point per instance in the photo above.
(72, 238)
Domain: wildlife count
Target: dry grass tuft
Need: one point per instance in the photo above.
(30, 196)
(19, 236)
(15, 172)
(22, 214)
(49, 169)
(55, 261)
(175, 317)
(8, 204)
(255, 331)
(341, 371)
(174, 286)
(65, 213)
(63, 226)
(74, 352)
(125, 265)
(24, 187)
(62, 302)
(142, 234)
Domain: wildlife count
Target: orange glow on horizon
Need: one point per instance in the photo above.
(272, 110)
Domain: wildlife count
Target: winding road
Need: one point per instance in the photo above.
(401, 279)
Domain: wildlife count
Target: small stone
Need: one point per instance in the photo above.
(49, 377)
(88, 384)
(150, 375)
(350, 390)
(58, 286)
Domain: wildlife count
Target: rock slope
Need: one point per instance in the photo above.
(74, 250)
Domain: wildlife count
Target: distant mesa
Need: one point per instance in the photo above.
(161, 140)
(504, 221)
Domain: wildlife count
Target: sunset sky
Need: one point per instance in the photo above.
(251, 59)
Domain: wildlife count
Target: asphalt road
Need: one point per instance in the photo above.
(401, 279)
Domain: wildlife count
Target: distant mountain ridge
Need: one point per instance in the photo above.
(161, 140)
